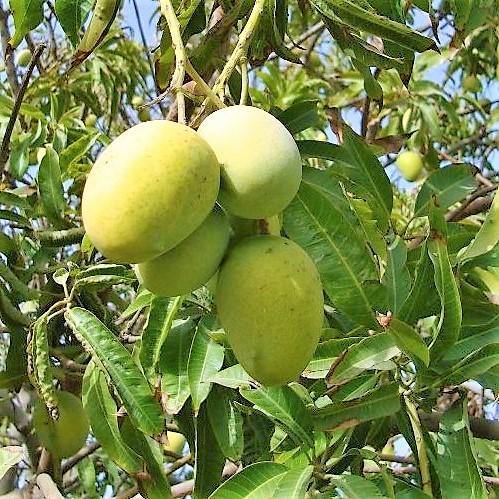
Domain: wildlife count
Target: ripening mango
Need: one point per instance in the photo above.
(150, 189)
(244, 227)
(260, 161)
(410, 165)
(270, 303)
(190, 264)
(66, 435)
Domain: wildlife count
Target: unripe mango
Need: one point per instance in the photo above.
(23, 58)
(472, 83)
(190, 264)
(90, 120)
(66, 436)
(270, 303)
(150, 189)
(410, 164)
(261, 164)
(176, 442)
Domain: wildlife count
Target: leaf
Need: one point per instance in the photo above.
(79, 148)
(467, 345)
(162, 311)
(283, 406)
(50, 185)
(380, 403)
(143, 299)
(209, 457)
(173, 366)
(449, 185)
(396, 279)
(451, 313)
(357, 487)
(232, 377)
(409, 341)
(320, 221)
(300, 116)
(102, 413)
(117, 362)
(28, 14)
(487, 237)
(226, 423)
(10, 455)
(205, 360)
(72, 14)
(363, 356)
(456, 458)
(256, 481)
(294, 484)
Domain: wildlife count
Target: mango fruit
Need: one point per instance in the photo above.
(270, 303)
(176, 442)
(23, 58)
(190, 264)
(65, 436)
(244, 227)
(90, 120)
(410, 165)
(471, 83)
(150, 189)
(260, 161)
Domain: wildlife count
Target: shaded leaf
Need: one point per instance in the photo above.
(409, 341)
(50, 185)
(28, 14)
(72, 15)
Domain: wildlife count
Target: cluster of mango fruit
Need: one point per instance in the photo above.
(195, 207)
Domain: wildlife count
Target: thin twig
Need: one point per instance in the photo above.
(8, 53)
(80, 456)
(4, 151)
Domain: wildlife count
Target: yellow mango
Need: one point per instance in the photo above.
(410, 165)
(270, 303)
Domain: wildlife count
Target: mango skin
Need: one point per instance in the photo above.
(245, 227)
(66, 436)
(190, 264)
(23, 58)
(270, 303)
(410, 165)
(151, 188)
(176, 442)
(261, 164)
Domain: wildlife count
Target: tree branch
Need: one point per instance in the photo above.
(79, 456)
(8, 53)
(4, 151)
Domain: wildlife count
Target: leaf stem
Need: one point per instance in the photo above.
(204, 87)
(424, 465)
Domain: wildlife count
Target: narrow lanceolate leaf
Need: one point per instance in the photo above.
(397, 279)
(286, 409)
(258, 481)
(50, 185)
(159, 322)
(456, 457)
(409, 341)
(451, 311)
(357, 487)
(226, 423)
(470, 344)
(173, 366)
(450, 185)
(294, 484)
(102, 413)
(488, 235)
(72, 15)
(383, 402)
(363, 356)
(300, 116)
(318, 219)
(209, 457)
(28, 14)
(205, 360)
(115, 359)
(233, 377)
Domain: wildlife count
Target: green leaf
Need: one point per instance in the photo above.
(449, 185)
(380, 403)
(456, 458)
(142, 300)
(226, 423)
(232, 377)
(300, 116)
(319, 219)
(117, 362)
(357, 487)
(257, 481)
(173, 366)
(451, 313)
(487, 237)
(467, 345)
(205, 360)
(396, 279)
(72, 14)
(283, 406)
(363, 356)
(10, 455)
(409, 341)
(159, 322)
(294, 484)
(209, 457)
(102, 413)
(28, 14)
(50, 185)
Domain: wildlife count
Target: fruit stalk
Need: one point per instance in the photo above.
(180, 56)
